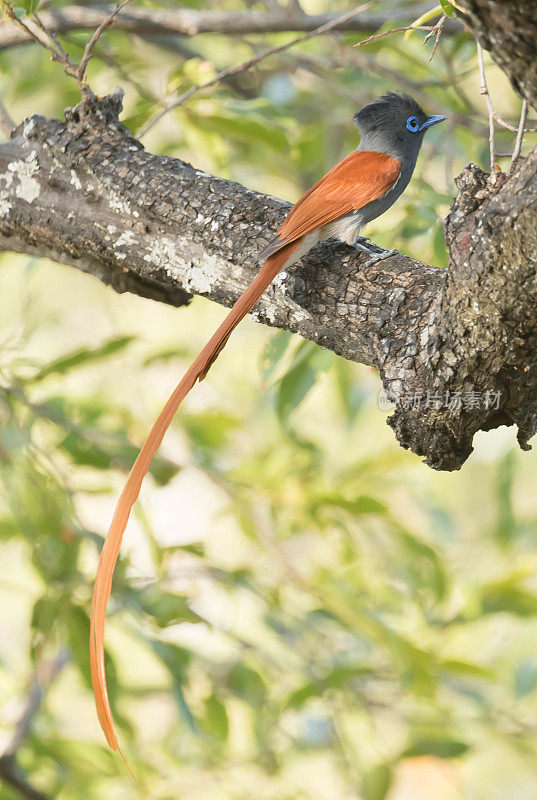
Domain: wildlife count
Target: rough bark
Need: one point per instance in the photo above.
(508, 28)
(191, 22)
(85, 193)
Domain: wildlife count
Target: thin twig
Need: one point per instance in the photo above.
(93, 41)
(485, 92)
(11, 775)
(39, 32)
(9, 771)
(29, 30)
(438, 30)
(51, 34)
(520, 134)
(45, 674)
(395, 30)
(251, 62)
(494, 117)
(105, 55)
(6, 123)
(42, 36)
(514, 128)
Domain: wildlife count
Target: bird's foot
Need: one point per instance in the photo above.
(361, 244)
(379, 257)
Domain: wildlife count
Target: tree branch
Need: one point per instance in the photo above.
(190, 22)
(10, 773)
(86, 193)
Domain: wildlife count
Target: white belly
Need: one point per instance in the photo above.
(346, 229)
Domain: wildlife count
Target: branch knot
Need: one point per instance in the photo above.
(106, 109)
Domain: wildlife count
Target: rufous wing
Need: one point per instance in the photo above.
(359, 179)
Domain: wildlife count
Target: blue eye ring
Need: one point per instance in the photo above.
(412, 124)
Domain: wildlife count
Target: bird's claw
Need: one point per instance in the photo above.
(361, 243)
(379, 257)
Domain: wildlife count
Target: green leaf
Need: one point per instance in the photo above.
(293, 389)
(166, 608)
(184, 709)
(439, 247)
(165, 356)
(82, 356)
(376, 782)
(364, 504)
(467, 668)
(424, 19)
(424, 564)
(447, 8)
(216, 719)
(339, 677)
(506, 525)
(78, 632)
(274, 352)
(437, 746)
(90, 759)
(353, 395)
(105, 450)
(247, 684)
(45, 614)
(209, 430)
(8, 528)
(243, 128)
(508, 596)
(299, 379)
(176, 659)
(23, 7)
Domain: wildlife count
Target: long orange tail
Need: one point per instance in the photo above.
(109, 553)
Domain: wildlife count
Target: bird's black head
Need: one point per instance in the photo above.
(394, 124)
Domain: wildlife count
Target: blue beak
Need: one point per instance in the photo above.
(434, 119)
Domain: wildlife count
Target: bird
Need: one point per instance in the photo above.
(356, 191)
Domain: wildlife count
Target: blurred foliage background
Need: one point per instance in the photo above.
(302, 609)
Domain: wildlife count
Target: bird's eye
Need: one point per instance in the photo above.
(412, 124)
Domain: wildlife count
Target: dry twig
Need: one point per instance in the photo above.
(485, 92)
(438, 28)
(44, 676)
(514, 128)
(430, 28)
(520, 134)
(94, 39)
(38, 31)
(520, 129)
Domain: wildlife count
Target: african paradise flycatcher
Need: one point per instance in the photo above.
(356, 191)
